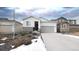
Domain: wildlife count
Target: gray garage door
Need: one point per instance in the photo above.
(47, 29)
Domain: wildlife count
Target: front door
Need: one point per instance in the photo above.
(36, 26)
(58, 28)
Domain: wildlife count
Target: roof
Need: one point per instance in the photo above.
(65, 22)
(40, 18)
(74, 24)
(53, 20)
(58, 19)
(43, 19)
(30, 17)
(71, 20)
(49, 22)
(4, 19)
(7, 20)
(17, 22)
(62, 18)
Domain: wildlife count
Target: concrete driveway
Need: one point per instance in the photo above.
(60, 42)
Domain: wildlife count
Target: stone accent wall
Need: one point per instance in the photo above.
(63, 27)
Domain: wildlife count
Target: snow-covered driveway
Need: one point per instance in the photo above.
(35, 46)
(60, 42)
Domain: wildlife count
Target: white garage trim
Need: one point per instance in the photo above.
(48, 27)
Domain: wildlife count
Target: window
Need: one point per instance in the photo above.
(64, 25)
(27, 23)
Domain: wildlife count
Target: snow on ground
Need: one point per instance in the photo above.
(35, 46)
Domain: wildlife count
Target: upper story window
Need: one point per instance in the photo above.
(64, 25)
(72, 21)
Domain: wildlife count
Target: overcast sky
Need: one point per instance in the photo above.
(49, 9)
(49, 13)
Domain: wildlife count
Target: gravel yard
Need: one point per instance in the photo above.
(75, 33)
(23, 41)
(35, 46)
(7, 44)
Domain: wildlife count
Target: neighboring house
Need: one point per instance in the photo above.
(66, 25)
(62, 25)
(9, 26)
(40, 24)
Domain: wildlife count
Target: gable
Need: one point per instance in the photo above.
(31, 19)
(61, 19)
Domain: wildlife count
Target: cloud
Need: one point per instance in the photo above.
(72, 13)
(4, 12)
(49, 13)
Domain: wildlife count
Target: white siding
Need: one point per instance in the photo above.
(52, 27)
(31, 22)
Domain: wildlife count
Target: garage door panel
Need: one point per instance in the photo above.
(47, 29)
